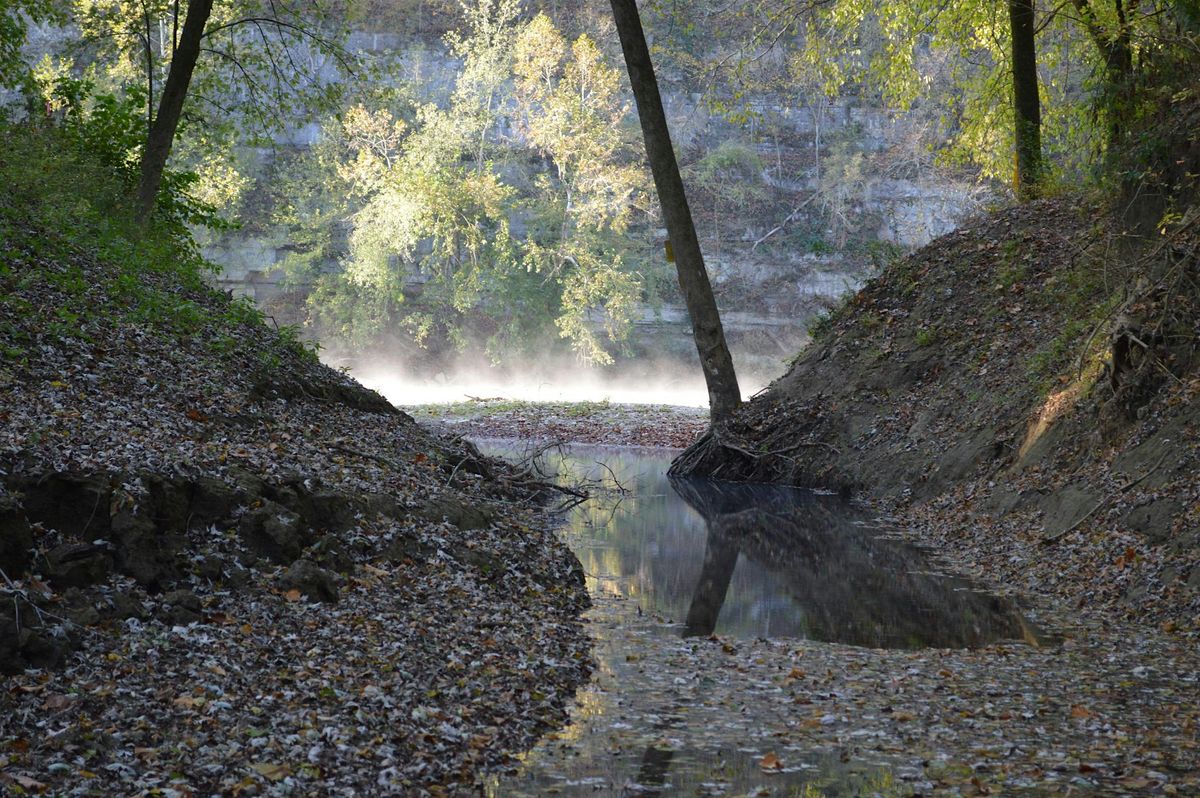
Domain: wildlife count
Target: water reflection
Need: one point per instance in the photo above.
(669, 562)
(848, 584)
(763, 561)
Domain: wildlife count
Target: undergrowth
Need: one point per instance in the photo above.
(69, 199)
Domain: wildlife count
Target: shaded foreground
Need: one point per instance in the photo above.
(228, 569)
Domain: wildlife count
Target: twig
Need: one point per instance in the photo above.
(612, 475)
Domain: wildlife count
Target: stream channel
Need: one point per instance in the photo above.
(673, 565)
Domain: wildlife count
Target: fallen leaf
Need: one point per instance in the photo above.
(57, 702)
(271, 771)
(28, 783)
(292, 595)
(771, 763)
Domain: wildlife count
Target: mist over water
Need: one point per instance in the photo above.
(639, 381)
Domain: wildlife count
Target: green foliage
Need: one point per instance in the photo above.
(1100, 65)
(73, 184)
(431, 196)
(262, 70)
(14, 15)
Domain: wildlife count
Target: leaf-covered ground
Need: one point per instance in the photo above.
(569, 422)
(283, 585)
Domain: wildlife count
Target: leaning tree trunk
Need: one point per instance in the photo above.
(162, 131)
(1026, 104)
(723, 393)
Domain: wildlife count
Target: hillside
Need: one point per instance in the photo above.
(1022, 391)
(226, 567)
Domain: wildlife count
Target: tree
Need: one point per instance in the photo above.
(216, 73)
(504, 215)
(568, 108)
(166, 121)
(1027, 108)
(14, 15)
(724, 396)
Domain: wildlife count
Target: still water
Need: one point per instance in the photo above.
(672, 563)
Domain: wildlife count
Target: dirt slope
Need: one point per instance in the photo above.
(972, 386)
(228, 569)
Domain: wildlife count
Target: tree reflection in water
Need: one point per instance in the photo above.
(851, 585)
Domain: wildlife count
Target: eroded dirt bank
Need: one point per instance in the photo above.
(230, 570)
(1023, 392)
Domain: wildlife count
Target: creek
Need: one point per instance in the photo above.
(672, 565)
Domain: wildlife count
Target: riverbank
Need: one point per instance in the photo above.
(228, 569)
(1022, 393)
(840, 662)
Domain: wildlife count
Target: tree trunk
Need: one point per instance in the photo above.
(1026, 104)
(1116, 48)
(723, 393)
(162, 132)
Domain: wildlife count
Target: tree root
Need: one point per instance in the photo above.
(718, 440)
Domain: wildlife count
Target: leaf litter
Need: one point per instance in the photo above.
(449, 639)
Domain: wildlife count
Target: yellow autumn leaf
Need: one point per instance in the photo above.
(271, 771)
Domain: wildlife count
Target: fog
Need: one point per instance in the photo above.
(660, 383)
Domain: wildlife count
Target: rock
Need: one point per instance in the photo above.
(330, 552)
(333, 511)
(406, 549)
(212, 501)
(11, 660)
(457, 512)
(1154, 519)
(168, 503)
(1000, 503)
(210, 567)
(22, 647)
(124, 605)
(313, 582)
(87, 615)
(274, 531)
(16, 538)
(181, 607)
(143, 551)
(381, 504)
(78, 565)
(80, 607)
(489, 566)
(1063, 508)
(73, 504)
(236, 577)
(248, 486)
